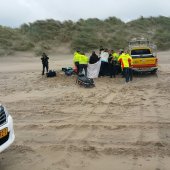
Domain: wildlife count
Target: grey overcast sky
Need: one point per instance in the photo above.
(13, 13)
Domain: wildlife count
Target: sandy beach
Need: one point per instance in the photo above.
(61, 126)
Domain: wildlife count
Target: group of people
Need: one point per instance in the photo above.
(81, 62)
(112, 63)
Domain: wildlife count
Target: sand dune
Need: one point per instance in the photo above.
(59, 125)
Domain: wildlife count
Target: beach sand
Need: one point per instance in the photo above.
(61, 126)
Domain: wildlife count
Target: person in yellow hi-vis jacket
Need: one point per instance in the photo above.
(126, 62)
(83, 62)
(117, 64)
(130, 66)
(76, 60)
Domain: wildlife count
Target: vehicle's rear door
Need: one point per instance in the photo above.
(143, 58)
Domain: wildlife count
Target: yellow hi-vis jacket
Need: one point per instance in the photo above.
(83, 59)
(116, 56)
(125, 60)
(76, 57)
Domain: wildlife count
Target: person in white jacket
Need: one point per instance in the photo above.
(104, 63)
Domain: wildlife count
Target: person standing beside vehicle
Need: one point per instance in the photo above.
(44, 60)
(125, 61)
(130, 66)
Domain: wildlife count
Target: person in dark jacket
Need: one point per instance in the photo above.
(101, 49)
(44, 60)
(93, 58)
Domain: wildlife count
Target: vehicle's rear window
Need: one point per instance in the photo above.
(140, 52)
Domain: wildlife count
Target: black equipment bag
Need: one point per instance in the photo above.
(51, 73)
(84, 81)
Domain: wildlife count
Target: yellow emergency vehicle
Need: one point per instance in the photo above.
(143, 55)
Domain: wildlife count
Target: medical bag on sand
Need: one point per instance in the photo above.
(84, 81)
(68, 71)
(51, 73)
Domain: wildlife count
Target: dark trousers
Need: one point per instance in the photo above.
(45, 66)
(112, 70)
(126, 74)
(118, 68)
(104, 70)
(81, 67)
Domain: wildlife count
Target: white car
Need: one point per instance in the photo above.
(6, 129)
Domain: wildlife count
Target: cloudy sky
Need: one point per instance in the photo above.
(13, 13)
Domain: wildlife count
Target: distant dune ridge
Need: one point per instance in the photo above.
(51, 35)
